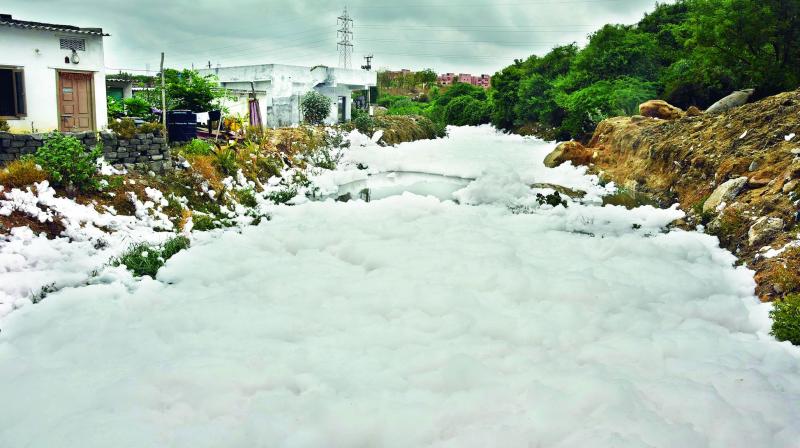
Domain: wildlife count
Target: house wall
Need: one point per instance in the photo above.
(280, 88)
(38, 53)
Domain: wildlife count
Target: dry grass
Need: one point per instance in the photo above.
(206, 168)
(21, 173)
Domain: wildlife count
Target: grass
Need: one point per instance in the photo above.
(21, 173)
(144, 259)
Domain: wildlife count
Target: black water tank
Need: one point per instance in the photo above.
(181, 125)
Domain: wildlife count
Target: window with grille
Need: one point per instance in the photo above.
(73, 44)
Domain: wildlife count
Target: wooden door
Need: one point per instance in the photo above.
(76, 102)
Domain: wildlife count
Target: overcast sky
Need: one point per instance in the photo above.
(476, 36)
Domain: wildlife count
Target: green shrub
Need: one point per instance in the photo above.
(785, 317)
(143, 259)
(365, 125)
(68, 163)
(316, 107)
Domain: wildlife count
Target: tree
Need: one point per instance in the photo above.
(316, 107)
(187, 90)
(426, 77)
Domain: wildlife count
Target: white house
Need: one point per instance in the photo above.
(280, 88)
(52, 77)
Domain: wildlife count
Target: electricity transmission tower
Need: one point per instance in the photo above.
(345, 39)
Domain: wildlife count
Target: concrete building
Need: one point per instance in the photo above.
(52, 77)
(447, 79)
(280, 88)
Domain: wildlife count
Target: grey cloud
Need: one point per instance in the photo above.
(475, 35)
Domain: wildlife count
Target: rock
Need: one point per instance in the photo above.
(693, 111)
(724, 193)
(660, 109)
(731, 101)
(790, 186)
(763, 229)
(568, 151)
(759, 180)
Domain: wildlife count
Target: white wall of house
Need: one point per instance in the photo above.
(38, 53)
(280, 88)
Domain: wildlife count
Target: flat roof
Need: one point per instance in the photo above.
(7, 20)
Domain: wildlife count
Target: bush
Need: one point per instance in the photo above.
(137, 107)
(68, 163)
(143, 259)
(197, 147)
(225, 161)
(115, 108)
(124, 128)
(316, 107)
(21, 173)
(785, 315)
(365, 125)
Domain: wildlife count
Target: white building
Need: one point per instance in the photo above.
(280, 88)
(52, 77)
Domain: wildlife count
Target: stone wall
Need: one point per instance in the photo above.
(144, 151)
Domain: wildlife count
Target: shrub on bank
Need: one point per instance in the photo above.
(786, 319)
(67, 162)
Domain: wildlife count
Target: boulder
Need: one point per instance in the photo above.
(693, 111)
(568, 151)
(724, 194)
(660, 109)
(764, 229)
(731, 101)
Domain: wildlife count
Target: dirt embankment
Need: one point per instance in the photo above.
(737, 173)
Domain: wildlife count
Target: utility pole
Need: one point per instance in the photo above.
(368, 66)
(345, 39)
(163, 97)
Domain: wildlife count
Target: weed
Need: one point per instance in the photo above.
(174, 245)
(554, 199)
(21, 173)
(785, 316)
(203, 223)
(283, 196)
(247, 198)
(124, 128)
(197, 147)
(43, 292)
(143, 259)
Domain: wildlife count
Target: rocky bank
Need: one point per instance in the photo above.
(736, 173)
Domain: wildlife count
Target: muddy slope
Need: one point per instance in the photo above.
(754, 148)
